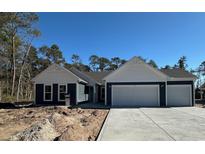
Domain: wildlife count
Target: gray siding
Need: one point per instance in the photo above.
(82, 97)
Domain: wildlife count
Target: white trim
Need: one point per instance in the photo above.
(190, 91)
(59, 91)
(44, 92)
(158, 89)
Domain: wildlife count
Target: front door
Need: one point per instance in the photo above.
(102, 93)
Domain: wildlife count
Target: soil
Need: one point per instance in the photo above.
(51, 123)
(200, 105)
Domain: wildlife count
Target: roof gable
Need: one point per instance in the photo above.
(56, 74)
(136, 70)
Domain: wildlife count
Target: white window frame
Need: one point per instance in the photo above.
(44, 93)
(59, 91)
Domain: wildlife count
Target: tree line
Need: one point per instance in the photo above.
(20, 60)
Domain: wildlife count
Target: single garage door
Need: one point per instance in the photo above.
(135, 95)
(179, 95)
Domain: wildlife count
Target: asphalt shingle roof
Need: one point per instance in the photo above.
(97, 76)
(90, 76)
(177, 73)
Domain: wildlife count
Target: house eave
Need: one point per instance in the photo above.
(181, 79)
(82, 81)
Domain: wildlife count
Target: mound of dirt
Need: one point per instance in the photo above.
(50, 123)
(70, 134)
(41, 131)
(61, 122)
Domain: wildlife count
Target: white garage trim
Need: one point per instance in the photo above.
(136, 85)
(184, 85)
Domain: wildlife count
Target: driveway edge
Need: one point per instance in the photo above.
(103, 127)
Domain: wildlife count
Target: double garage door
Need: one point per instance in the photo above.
(135, 95)
(149, 95)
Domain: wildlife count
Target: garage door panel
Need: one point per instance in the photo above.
(135, 95)
(179, 95)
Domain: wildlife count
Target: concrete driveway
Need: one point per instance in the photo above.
(154, 124)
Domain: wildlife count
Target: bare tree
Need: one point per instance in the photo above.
(34, 33)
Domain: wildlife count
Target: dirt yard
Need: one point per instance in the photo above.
(200, 103)
(51, 123)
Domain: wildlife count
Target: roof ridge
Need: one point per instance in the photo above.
(82, 73)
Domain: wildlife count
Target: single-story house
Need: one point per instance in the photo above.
(134, 84)
(52, 84)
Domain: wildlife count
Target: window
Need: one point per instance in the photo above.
(62, 92)
(48, 93)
